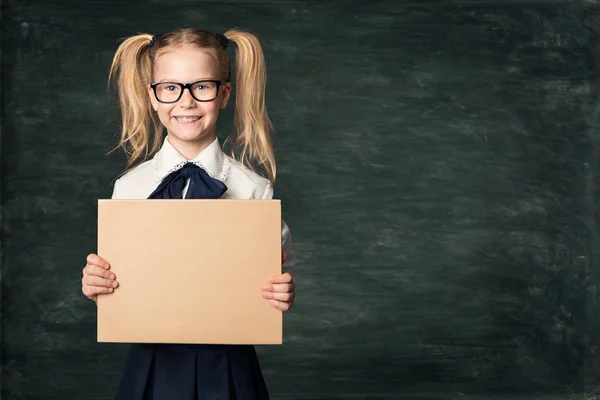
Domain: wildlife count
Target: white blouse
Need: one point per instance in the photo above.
(242, 183)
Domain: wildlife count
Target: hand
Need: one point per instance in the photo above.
(97, 278)
(281, 290)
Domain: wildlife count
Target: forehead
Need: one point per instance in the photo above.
(185, 63)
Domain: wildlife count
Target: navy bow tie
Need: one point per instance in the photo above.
(202, 186)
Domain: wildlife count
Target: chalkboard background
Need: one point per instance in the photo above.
(437, 166)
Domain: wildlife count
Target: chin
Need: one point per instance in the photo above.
(189, 136)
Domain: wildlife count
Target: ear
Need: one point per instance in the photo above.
(152, 98)
(225, 95)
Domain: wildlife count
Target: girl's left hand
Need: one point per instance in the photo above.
(281, 290)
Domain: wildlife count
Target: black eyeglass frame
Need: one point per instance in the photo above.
(187, 86)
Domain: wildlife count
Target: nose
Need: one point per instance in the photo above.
(186, 100)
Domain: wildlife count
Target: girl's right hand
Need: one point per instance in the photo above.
(97, 278)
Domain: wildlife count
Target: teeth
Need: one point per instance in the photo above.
(187, 119)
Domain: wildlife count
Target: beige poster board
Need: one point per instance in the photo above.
(190, 271)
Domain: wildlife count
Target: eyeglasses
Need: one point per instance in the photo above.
(171, 92)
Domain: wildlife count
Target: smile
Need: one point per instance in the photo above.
(187, 120)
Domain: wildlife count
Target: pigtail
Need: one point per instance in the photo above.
(252, 124)
(131, 70)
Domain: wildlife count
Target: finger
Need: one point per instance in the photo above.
(93, 291)
(97, 260)
(94, 270)
(90, 280)
(282, 288)
(283, 278)
(285, 297)
(283, 306)
(283, 257)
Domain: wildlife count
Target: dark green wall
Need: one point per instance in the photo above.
(437, 165)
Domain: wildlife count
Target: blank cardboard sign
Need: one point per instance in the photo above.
(190, 271)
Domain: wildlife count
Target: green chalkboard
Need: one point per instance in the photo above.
(437, 165)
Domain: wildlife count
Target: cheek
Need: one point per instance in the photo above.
(212, 109)
(164, 113)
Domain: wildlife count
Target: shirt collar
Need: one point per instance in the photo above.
(169, 160)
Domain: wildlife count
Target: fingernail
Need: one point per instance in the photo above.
(266, 288)
(273, 302)
(110, 290)
(271, 279)
(267, 295)
(112, 276)
(115, 284)
(106, 265)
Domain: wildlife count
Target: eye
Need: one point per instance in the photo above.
(201, 87)
(171, 88)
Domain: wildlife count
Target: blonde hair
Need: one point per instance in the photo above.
(142, 131)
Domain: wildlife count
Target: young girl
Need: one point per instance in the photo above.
(178, 83)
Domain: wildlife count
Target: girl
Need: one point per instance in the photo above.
(178, 83)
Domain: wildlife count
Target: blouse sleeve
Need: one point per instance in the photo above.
(286, 237)
(115, 194)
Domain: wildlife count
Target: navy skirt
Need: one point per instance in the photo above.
(192, 372)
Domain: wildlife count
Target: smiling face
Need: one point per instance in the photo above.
(190, 123)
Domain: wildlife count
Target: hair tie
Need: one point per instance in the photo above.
(152, 41)
(222, 39)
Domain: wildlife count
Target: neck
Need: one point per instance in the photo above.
(190, 148)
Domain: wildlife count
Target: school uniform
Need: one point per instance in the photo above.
(182, 371)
